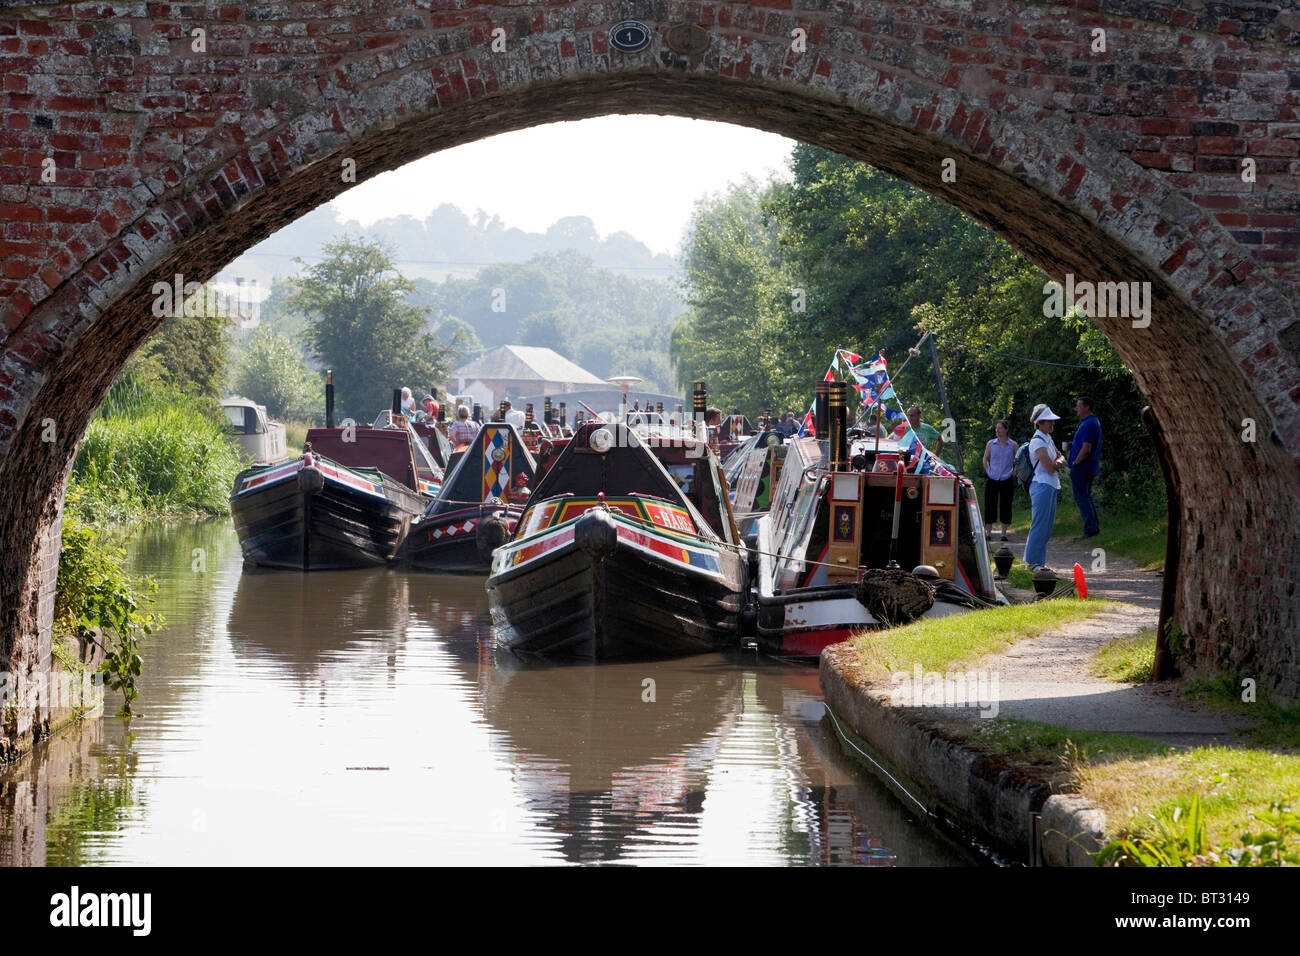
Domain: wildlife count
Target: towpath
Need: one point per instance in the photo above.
(1047, 678)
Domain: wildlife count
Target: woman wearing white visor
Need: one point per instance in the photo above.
(1045, 487)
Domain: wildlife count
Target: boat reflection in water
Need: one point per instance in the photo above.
(367, 717)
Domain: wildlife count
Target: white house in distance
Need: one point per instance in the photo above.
(510, 371)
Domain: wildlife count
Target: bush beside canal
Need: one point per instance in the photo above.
(152, 451)
(96, 600)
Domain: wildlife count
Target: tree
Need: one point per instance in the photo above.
(271, 372)
(551, 329)
(734, 333)
(188, 353)
(361, 327)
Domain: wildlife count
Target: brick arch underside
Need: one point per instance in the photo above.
(1238, 500)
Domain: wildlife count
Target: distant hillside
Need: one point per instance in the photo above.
(448, 243)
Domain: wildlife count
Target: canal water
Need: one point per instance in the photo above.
(365, 717)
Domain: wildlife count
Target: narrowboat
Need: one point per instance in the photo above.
(627, 549)
(478, 508)
(755, 471)
(346, 502)
(252, 430)
(855, 539)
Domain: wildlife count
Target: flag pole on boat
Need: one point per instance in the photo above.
(943, 397)
(898, 511)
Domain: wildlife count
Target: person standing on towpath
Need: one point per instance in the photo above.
(1044, 488)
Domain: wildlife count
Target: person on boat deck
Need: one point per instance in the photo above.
(512, 417)
(873, 427)
(462, 431)
(431, 407)
(713, 416)
(1045, 486)
(789, 426)
(999, 460)
(1085, 463)
(408, 402)
(928, 434)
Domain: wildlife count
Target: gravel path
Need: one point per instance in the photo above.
(1047, 679)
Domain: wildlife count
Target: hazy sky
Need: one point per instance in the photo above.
(637, 174)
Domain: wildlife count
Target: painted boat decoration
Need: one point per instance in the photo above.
(830, 528)
(479, 506)
(347, 502)
(613, 559)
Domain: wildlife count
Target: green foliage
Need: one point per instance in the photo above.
(879, 262)
(96, 601)
(1176, 837)
(562, 301)
(361, 326)
(270, 370)
(187, 354)
(152, 451)
(735, 335)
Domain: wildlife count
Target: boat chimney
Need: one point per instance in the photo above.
(660, 409)
(838, 425)
(699, 401)
(564, 416)
(478, 413)
(546, 411)
(821, 417)
(397, 401)
(528, 414)
(329, 398)
(442, 408)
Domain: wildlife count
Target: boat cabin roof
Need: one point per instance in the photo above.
(627, 467)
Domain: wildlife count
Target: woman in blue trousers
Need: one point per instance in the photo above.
(1044, 488)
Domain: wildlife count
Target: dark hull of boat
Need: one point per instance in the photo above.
(451, 543)
(284, 526)
(619, 605)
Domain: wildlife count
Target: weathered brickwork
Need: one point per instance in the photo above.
(1122, 165)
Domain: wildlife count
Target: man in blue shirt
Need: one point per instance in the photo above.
(1085, 463)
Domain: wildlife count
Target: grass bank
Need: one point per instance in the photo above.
(939, 644)
(1130, 659)
(1144, 787)
(1138, 537)
(152, 452)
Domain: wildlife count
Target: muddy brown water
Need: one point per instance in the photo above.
(367, 717)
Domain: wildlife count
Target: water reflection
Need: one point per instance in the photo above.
(366, 717)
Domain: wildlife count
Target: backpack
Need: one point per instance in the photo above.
(1023, 468)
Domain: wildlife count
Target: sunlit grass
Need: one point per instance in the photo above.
(1233, 784)
(939, 643)
(1140, 538)
(1129, 659)
(148, 453)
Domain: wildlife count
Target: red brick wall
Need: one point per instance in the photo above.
(1116, 166)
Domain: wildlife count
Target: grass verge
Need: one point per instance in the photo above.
(152, 452)
(1140, 538)
(939, 643)
(1234, 784)
(1129, 659)
(1138, 782)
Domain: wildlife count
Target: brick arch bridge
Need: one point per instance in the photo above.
(1122, 165)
